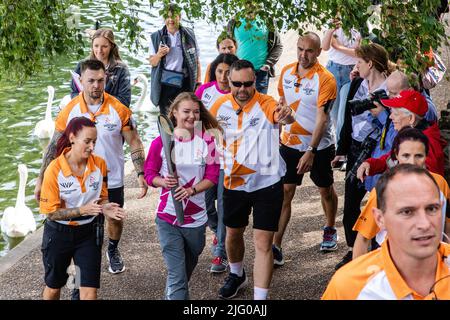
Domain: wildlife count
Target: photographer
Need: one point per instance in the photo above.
(361, 133)
(409, 109)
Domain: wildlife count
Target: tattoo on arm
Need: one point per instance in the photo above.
(138, 158)
(49, 153)
(65, 214)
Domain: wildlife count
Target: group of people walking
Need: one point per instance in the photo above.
(237, 151)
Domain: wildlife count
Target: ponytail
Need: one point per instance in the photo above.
(74, 126)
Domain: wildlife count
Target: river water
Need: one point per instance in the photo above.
(22, 107)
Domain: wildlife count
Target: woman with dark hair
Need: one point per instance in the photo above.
(410, 146)
(209, 93)
(197, 170)
(219, 84)
(74, 194)
(105, 49)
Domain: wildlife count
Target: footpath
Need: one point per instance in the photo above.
(304, 276)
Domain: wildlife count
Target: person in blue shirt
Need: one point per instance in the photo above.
(257, 43)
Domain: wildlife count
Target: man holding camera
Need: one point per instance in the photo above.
(409, 108)
(308, 144)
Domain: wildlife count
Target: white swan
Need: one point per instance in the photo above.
(64, 101)
(44, 129)
(19, 221)
(143, 104)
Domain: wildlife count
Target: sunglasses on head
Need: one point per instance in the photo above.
(239, 84)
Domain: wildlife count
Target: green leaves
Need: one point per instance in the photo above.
(35, 31)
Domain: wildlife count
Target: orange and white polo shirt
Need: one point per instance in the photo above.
(251, 142)
(366, 224)
(62, 189)
(305, 95)
(111, 119)
(374, 276)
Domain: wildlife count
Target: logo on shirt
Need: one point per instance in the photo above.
(93, 183)
(207, 97)
(287, 84)
(253, 122)
(308, 90)
(66, 187)
(109, 125)
(224, 121)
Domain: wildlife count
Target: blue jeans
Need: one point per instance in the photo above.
(342, 75)
(181, 248)
(262, 81)
(215, 216)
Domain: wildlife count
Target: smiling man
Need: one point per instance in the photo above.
(412, 263)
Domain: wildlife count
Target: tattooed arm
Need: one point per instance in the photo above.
(91, 209)
(48, 157)
(138, 157)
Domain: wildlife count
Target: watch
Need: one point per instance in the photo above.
(312, 149)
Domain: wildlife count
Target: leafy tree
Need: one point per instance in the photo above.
(35, 31)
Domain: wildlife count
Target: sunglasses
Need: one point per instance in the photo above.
(239, 84)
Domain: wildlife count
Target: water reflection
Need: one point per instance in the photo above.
(22, 107)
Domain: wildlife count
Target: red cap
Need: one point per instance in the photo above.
(410, 100)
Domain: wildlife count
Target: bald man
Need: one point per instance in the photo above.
(398, 81)
(308, 144)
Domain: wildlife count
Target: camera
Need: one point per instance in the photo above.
(359, 106)
(365, 150)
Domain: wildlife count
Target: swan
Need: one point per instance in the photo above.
(143, 104)
(18, 221)
(44, 129)
(64, 101)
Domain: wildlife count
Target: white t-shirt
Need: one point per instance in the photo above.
(349, 42)
(174, 59)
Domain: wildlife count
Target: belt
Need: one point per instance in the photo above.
(69, 228)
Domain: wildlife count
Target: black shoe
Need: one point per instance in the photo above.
(115, 261)
(232, 285)
(277, 256)
(346, 259)
(75, 294)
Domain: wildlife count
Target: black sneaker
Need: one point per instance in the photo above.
(346, 259)
(115, 261)
(232, 285)
(277, 256)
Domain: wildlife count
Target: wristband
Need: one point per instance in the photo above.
(140, 173)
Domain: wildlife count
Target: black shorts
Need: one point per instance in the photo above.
(117, 195)
(62, 243)
(266, 204)
(321, 172)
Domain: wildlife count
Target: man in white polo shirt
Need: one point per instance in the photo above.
(253, 169)
(308, 144)
(114, 124)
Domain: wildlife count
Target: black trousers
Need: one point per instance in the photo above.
(168, 94)
(354, 193)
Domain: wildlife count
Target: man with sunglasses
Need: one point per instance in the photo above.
(412, 263)
(308, 144)
(253, 170)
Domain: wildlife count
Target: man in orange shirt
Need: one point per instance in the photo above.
(114, 125)
(413, 262)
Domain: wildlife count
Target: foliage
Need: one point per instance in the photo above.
(35, 31)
